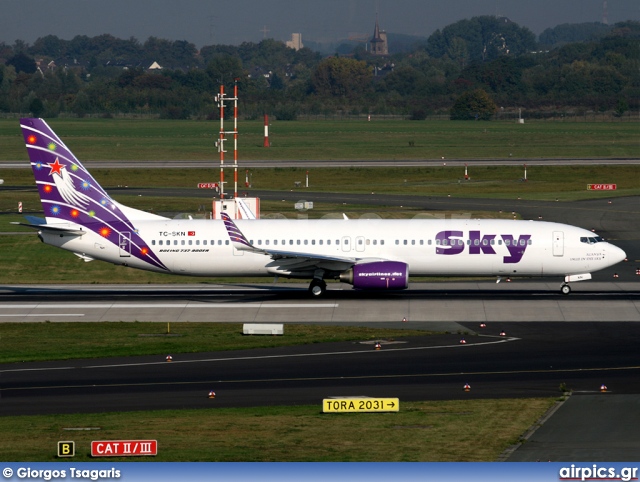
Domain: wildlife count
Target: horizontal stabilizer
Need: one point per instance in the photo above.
(50, 228)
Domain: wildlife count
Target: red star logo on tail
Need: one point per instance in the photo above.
(55, 167)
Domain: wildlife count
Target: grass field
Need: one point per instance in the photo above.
(450, 431)
(119, 139)
(22, 342)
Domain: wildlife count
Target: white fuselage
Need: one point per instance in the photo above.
(429, 247)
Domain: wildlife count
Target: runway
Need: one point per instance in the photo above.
(431, 305)
(532, 360)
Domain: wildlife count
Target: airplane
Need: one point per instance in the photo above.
(369, 254)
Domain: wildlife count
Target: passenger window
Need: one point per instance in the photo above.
(160, 242)
(182, 242)
(153, 242)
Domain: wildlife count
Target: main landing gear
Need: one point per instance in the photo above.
(317, 287)
(565, 289)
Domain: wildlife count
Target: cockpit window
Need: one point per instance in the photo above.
(591, 240)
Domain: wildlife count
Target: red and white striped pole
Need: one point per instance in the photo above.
(235, 139)
(221, 141)
(266, 131)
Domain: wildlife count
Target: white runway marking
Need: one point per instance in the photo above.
(493, 340)
(45, 314)
(127, 306)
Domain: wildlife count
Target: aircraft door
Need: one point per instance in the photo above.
(360, 243)
(558, 243)
(346, 244)
(124, 243)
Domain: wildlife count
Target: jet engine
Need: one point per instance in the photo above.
(378, 275)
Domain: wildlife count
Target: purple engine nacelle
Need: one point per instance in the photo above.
(378, 275)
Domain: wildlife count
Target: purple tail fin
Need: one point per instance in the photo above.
(68, 192)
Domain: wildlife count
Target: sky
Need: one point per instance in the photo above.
(231, 22)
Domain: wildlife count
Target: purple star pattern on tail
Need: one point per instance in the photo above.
(68, 192)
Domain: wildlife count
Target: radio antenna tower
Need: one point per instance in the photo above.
(605, 14)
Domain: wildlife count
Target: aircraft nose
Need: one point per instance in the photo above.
(616, 254)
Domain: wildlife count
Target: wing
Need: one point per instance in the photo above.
(290, 260)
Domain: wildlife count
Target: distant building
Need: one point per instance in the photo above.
(295, 42)
(379, 45)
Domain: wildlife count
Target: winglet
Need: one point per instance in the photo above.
(239, 241)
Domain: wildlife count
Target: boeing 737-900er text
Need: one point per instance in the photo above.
(370, 254)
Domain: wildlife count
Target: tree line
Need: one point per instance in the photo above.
(469, 69)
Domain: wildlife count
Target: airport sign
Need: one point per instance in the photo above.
(362, 404)
(601, 187)
(123, 448)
